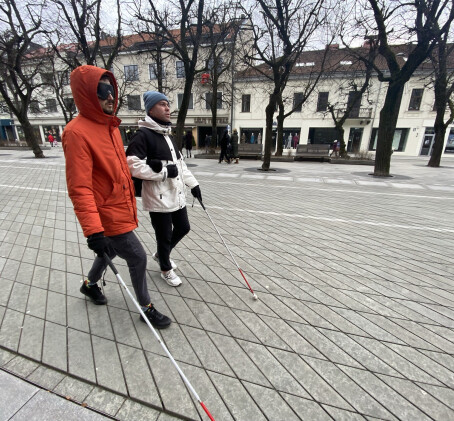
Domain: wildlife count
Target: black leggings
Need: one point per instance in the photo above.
(169, 228)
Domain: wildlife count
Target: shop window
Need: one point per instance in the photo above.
(399, 140)
(246, 103)
(450, 143)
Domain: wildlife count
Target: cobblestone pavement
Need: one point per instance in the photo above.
(355, 278)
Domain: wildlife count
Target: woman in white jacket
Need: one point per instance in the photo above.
(154, 158)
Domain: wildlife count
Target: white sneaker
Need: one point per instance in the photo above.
(171, 278)
(156, 259)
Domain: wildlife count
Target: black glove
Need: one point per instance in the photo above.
(172, 171)
(196, 192)
(98, 243)
(155, 165)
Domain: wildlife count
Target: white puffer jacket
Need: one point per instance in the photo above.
(159, 193)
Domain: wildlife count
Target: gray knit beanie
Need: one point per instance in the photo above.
(151, 98)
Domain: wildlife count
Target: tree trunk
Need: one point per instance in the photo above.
(388, 120)
(183, 111)
(439, 140)
(30, 137)
(269, 112)
(279, 136)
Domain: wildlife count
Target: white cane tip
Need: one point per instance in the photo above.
(255, 297)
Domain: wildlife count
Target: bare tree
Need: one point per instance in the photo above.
(284, 30)
(424, 21)
(220, 38)
(86, 41)
(363, 71)
(444, 90)
(20, 61)
(188, 17)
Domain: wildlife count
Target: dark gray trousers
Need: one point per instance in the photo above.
(128, 247)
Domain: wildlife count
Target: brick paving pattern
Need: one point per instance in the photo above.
(355, 279)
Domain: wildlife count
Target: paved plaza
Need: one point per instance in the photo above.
(355, 317)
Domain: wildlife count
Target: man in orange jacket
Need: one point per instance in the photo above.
(100, 185)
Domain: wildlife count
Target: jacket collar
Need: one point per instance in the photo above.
(149, 123)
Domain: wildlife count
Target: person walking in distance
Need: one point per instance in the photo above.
(234, 141)
(188, 140)
(225, 141)
(100, 186)
(154, 157)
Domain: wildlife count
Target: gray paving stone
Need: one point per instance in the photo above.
(14, 394)
(105, 401)
(11, 329)
(350, 391)
(273, 406)
(122, 326)
(135, 411)
(10, 269)
(239, 361)
(305, 409)
(36, 305)
(206, 317)
(279, 377)
(5, 356)
(74, 389)
(5, 291)
(55, 352)
(315, 385)
(179, 346)
(341, 415)
(391, 400)
(170, 386)
(45, 377)
(237, 399)
(77, 316)
(80, 355)
(19, 296)
(32, 337)
(109, 373)
(21, 366)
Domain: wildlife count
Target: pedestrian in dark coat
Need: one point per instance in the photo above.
(188, 141)
(235, 145)
(225, 141)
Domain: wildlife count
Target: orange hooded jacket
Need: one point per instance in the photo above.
(97, 174)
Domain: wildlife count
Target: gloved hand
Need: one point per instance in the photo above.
(155, 165)
(98, 243)
(172, 171)
(197, 193)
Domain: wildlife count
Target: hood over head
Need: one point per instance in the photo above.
(84, 86)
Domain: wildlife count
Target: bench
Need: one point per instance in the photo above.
(247, 149)
(312, 151)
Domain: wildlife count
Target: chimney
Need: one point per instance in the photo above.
(332, 47)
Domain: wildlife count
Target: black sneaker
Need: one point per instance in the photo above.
(158, 320)
(94, 293)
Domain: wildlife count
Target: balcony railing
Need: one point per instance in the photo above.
(356, 112)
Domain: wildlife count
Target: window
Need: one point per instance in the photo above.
(415, 100)
(219, 61)
(399, 140)
(180, 69)
(63, 78)
(354, 102)
(3, 107)
(51, 105)
(47, 78)
(297, 101)
(153, 71)
(180, 100)
(208, 98)
(322, 103)
(34, 106)
(69, 104)
(133, 102)
(131, 72)
(246, 103)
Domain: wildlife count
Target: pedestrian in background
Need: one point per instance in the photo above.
(101, 188)
(234, 142)
(188, 140)
(225, 141)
